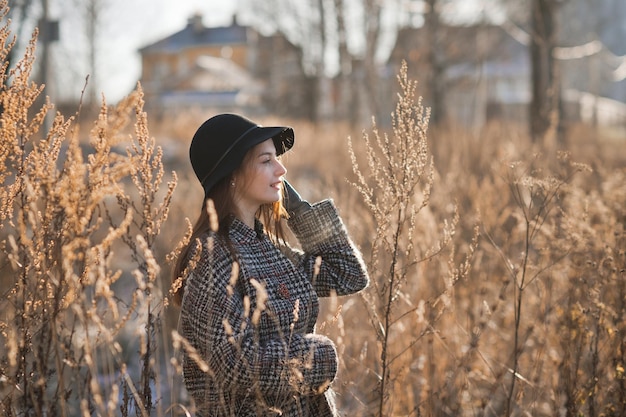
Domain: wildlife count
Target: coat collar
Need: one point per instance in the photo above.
(241, 232)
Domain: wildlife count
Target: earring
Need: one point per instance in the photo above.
(232, 183)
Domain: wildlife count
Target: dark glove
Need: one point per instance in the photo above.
(294, 204)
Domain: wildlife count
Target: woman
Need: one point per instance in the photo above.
(250, 301)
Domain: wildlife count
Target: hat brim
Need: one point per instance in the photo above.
(282, 137)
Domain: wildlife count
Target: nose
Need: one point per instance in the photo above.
(280, 168)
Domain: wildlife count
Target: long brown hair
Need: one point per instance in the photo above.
(222, 196)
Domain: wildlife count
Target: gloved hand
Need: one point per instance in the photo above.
(294, 203)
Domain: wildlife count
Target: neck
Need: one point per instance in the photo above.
(249, 221)
(245, 211)
(247, 217)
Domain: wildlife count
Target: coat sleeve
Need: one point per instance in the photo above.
(322, 234)
(221, 328)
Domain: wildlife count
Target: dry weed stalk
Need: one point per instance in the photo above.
(68, 303)
(396, 189)
(592, 308)
(537, 197)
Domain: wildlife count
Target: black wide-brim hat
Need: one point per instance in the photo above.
(220, 144)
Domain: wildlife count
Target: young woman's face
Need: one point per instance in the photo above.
(261, 178)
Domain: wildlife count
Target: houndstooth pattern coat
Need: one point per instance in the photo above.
(255, 360)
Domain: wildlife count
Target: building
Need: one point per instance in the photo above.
(230, 68)
(485, 73)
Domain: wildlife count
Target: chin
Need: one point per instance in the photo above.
(275, 198)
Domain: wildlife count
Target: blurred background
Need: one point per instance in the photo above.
(475, 60)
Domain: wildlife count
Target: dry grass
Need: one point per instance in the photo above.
(80, 220)
(498, 271)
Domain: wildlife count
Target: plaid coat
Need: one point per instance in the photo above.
(253, 325)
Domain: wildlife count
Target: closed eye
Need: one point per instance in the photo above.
(267, 157)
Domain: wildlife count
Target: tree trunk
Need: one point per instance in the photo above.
(436, 64)
(372, 81)
(92, 14)
(345, 108)
(320, 95)
(544, 115)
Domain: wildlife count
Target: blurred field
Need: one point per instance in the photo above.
(498, 272)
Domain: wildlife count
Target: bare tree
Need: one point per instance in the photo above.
(92, 14)
(300, 24)
(318, 111)
(320, 28)
(19, 12)
(435, 62)
(372, 20)
(544, 107)
(345, 62)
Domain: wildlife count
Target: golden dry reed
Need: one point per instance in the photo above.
(79, 221)
(498, 266)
